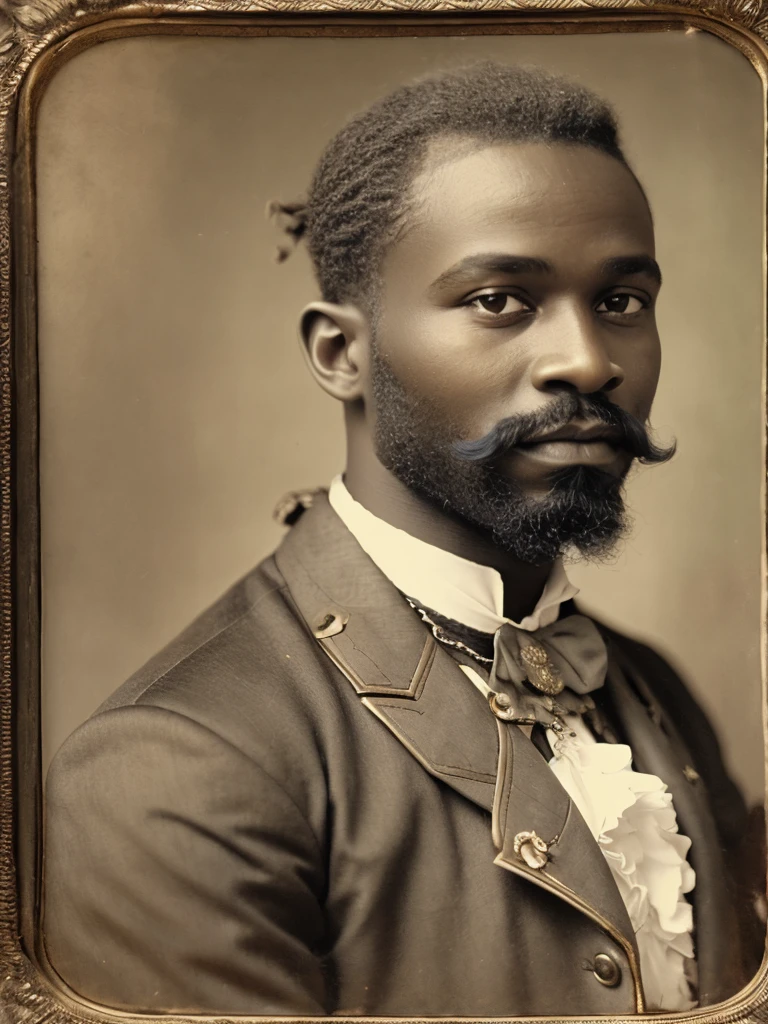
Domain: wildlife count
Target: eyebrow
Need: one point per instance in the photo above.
(491, 263)
(627, 265)
(501, 263)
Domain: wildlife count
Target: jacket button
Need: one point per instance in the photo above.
(330, 624)
(606, 970)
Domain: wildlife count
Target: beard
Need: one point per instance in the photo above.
(584, 511)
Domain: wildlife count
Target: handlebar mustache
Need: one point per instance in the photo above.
(633, 435)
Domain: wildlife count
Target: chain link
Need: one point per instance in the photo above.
(439, 634)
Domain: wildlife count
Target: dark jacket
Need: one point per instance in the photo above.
(302, 806)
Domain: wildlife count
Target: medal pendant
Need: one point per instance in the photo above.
(542, 674)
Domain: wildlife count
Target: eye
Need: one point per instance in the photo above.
(622, 303)
(497, 304)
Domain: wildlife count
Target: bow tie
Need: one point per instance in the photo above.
(550, 671)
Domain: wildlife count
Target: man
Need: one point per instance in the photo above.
(393, 770)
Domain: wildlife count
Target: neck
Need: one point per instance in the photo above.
(386, 497)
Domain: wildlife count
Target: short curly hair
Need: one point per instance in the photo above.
(358, 196)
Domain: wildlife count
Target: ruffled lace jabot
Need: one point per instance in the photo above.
(632, 818)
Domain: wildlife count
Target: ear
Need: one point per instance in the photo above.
(336, 347)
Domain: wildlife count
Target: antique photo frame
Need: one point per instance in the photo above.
(36, 38)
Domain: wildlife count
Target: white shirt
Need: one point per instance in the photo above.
(461, 590)
(629, 813)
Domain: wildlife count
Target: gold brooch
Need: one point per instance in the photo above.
(541, 672)
(531, 849)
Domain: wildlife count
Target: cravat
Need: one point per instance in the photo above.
(546, 674)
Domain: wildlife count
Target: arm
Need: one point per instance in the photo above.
(179, 875)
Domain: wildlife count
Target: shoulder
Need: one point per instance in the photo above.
(673, 699)
(219, 727)
(256, 604)
(245, 679)
(640, 660)
(657, 672)
(250, 647)
(659, 682)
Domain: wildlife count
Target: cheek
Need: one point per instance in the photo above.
(642, 376)
(420, 355)
(438, 358)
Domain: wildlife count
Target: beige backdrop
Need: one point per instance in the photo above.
(175, 408)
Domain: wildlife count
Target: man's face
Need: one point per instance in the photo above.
(523, 281)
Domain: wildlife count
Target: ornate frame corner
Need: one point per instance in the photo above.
(30, 30)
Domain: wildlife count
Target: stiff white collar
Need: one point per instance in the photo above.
(452, 586)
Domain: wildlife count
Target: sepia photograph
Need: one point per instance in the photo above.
(398, 432)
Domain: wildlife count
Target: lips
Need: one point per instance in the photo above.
(589, 433)
(596, 444)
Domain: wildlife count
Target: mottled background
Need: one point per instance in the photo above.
(175, 408)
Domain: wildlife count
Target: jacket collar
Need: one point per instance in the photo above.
(393, 662)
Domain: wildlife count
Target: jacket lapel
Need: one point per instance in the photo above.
(420, 694)
(391, 659)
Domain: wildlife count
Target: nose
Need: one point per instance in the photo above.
(578, 358)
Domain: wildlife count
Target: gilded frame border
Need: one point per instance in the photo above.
(35, 35)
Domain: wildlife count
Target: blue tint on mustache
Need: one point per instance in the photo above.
(633, 436)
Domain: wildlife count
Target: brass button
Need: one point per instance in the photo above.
(501, 706)
(606, 970)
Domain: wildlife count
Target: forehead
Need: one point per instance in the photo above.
(568, 204)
